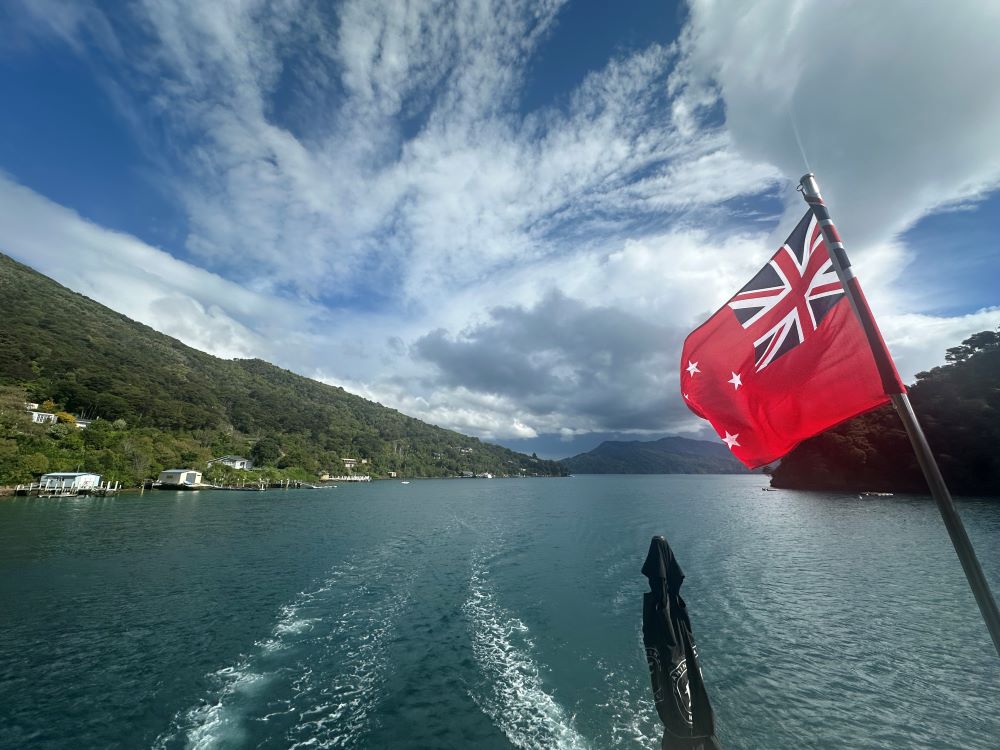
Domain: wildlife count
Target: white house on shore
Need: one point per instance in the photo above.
(45, 417)
(180, 478)
(69, 480)
(235, 462)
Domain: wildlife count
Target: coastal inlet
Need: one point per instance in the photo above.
(496, 614)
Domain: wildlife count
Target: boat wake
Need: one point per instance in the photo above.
(618, 574)
(511, 691)
(633, 720)
(316, 680)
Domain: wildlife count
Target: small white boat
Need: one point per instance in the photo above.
(404, 482)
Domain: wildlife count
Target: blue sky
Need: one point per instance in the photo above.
(500, 217)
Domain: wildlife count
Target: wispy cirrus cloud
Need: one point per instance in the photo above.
(423, 170)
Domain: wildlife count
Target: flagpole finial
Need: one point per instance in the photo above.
(810, 188)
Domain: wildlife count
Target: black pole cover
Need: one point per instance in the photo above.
(678, 688)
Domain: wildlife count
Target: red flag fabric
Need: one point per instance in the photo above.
(785, 358)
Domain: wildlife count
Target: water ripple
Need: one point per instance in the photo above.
(320, 672)
(511, 692)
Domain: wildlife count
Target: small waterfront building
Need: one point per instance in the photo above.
(30, 406)
(69, 480)
(235, 462)
(349, 463)
(180, 477)
(41, 417)
(83, 423)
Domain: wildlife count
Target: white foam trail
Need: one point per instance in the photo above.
(217, 720)
(511, 693)
(634, 722)
(346, 624)
(627, 593)
(624, 598)
(343, 705)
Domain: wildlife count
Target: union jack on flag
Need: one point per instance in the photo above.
(786, 357)
(789, 297)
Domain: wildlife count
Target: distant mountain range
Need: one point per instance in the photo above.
(669, 455)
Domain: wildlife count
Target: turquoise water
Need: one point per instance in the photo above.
(486, 614)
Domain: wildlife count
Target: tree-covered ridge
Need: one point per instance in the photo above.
(163, 404)
(958, 405)
(669, 455)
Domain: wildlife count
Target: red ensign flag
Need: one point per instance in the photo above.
(785, 358)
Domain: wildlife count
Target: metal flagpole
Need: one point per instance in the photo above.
(893, 388)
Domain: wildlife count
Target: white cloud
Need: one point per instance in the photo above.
(418, 165)
(73, 23)
(133, 278)
(918, 342)
(888, 98)
(378, 150)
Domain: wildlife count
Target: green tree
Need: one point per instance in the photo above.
(266, 451)
(12, 412)
(10, 469)
(958, 405)
(978, 342)
(36, 464)
(100, 434)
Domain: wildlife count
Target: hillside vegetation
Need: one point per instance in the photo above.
(958, 406)
(162, 404)
(669, 455)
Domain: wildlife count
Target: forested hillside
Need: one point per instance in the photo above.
(958, 405)
(162, 404)
(669, 455)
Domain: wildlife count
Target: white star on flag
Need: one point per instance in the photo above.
(692, 367)
(736, 381)
(730, 440)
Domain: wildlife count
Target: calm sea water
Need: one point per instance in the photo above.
(487, 614)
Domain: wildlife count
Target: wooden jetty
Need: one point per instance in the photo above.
(66, 489)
